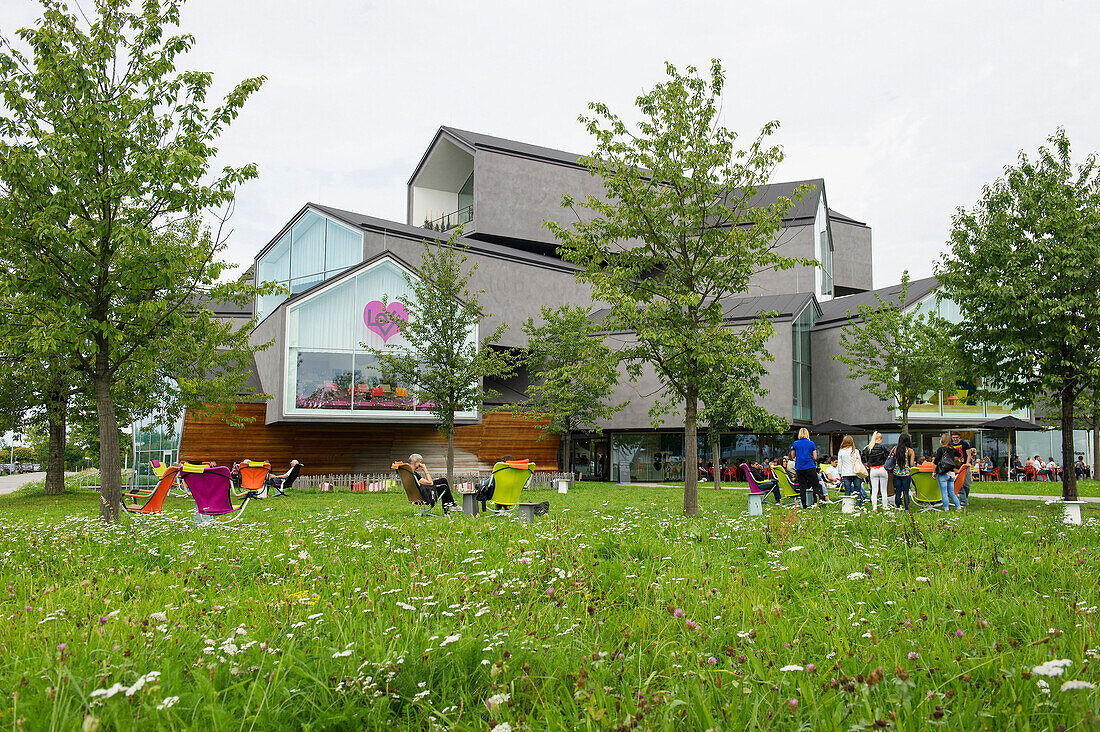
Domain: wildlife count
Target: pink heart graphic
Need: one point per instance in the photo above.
(383, 320)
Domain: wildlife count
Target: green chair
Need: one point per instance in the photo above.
(509, 480)
(926, 491)
(786, 489)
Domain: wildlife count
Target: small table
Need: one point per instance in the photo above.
(525, 512)
(756, 504)
(848, 504)
(470, 505)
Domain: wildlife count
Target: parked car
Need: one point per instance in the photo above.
(6, 468)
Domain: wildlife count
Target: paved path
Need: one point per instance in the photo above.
(12, 483)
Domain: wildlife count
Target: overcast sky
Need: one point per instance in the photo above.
(905, 112)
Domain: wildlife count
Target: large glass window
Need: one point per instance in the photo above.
(328, 367)
(825, 245)
(801, 376)
(155, 438)
(315, 249)
(650, 456)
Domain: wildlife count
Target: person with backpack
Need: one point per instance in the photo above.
(904, 461)
(946, 462)
(486, 488)
(965, 454)
(876, 467)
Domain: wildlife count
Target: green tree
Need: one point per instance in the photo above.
(105, 162)
(573, 374)
(731, 398)
(898, 354)
(1086, 416)
(441, 361)
(677, 233)
(1022, 266)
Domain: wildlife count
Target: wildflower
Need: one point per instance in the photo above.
(169, 701)
(792, 704)
(792, 667)
(61, 646)
(449, 639)
(502, 727)
(1074, 685)
(796, 548)
(924, 579)
(550, 591)
(913, 656)
(691, 624)
(712, 661)
(1043, 686)
(342, 654)
(959, 634)
(811, 668)
(677, 612)
(1052, 668)
(495, 701)
(159, 617)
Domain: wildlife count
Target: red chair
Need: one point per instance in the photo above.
(154, 502)
(253, 478)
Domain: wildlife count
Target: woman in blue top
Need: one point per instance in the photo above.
(804, 452)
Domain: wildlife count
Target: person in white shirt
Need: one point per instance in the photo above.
(846, 457)
(832, 474)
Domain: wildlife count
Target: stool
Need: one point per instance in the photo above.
(525, 512)
(847, 504)
(563, 485)
(756, 504)
(1071, 512)
(470, 505)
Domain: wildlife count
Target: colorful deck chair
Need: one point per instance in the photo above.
(253, 478)
(754, 487)
(509, 480)
(159, 468)
(926, 491)
(413, 490)
(212, 488)
(153, 502)
(786, 488)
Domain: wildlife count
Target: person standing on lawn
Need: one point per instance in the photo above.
(804, 452)
(845, 463)
(876, 462)
(904, 460)
(947, 462)
(966, 455)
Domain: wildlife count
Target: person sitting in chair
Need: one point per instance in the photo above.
(441, 489)
(763, 482)
(277, 481)
(486, 488)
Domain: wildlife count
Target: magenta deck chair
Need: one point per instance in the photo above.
(754, 487)
(211, 487)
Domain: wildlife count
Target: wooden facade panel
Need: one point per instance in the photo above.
(363, 448)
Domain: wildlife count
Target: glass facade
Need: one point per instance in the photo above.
(155, 438)
(328, 367)
(825, 246)
(649, 456)
(801, 375)
(315, 249)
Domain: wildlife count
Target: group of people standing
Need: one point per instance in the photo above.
(877, 464)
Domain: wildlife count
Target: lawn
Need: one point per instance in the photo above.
(344, 611)
(1085, 488)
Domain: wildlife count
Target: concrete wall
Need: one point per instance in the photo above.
(513, 195)
(794, 241)
(835, 395)
(513, 291)
(851, 255)
(640, 395)
(271, 362)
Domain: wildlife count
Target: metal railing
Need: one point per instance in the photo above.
(451, 220)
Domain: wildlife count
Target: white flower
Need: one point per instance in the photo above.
(303, 555)
(449, 639)
(1043, 686)
(1052, 668)
(107, 693)
(502, 727)
(792, 667)
(924, 579)
(142, 681)
(496, 700)
(1074, 685)
(403, 606)
(341, 654)
(857, 575)
(796, 548)
(159, 617)
(169, 701)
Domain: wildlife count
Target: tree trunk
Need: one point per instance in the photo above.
(566, 444)
(451, 458)
(1096, 438)
(905, 420)
(691, 452)
(714, 447)
(57, 404)
(1069, 477)
(110, 468)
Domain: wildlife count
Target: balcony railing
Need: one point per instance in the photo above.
(451, 220)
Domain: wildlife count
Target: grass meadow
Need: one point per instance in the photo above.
(346, 611)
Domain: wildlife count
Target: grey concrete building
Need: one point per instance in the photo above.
(340, 269)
